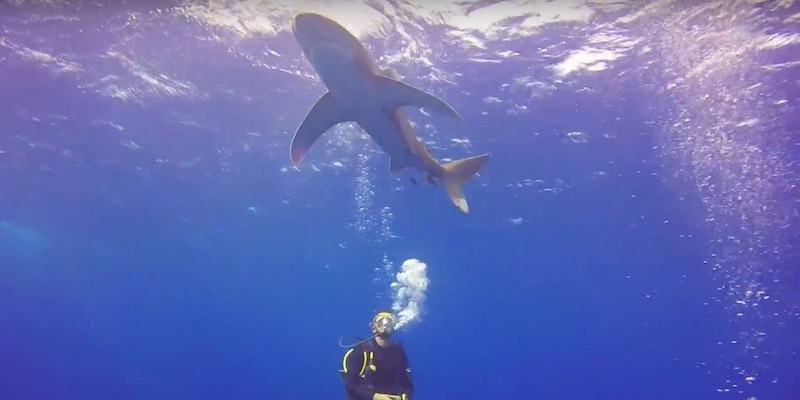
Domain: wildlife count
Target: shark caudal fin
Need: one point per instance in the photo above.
(457, 173)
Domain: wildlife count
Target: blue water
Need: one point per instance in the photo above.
(192, 268)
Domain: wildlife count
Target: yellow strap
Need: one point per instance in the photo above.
(364, 364)
(344, 360)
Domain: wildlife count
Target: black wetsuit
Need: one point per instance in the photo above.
(385, 371)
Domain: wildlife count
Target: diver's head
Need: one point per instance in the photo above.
(382, 324)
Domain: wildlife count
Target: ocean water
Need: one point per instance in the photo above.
(633, 235)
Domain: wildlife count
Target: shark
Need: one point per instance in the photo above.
(359, 91)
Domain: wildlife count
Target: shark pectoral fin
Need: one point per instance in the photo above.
(322, 116)
(457, 173)
(397, 94)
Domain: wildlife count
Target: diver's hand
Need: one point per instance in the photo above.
(384, 396)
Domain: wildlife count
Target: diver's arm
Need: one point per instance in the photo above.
(354, 361)
(407, 379)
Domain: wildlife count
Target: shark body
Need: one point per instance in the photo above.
(359, 91)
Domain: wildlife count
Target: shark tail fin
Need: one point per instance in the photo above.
(457, 173)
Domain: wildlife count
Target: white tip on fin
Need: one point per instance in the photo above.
(457, 173)
(388, 72)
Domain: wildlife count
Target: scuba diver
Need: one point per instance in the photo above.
(377, 368)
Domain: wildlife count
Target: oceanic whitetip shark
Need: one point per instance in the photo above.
(359, 91)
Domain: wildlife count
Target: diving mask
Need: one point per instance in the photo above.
(384, 324)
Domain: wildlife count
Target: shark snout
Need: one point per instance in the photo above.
(306, 22)
(312, 28)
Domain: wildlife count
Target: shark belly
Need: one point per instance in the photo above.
(357, 97)
(349, 86)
